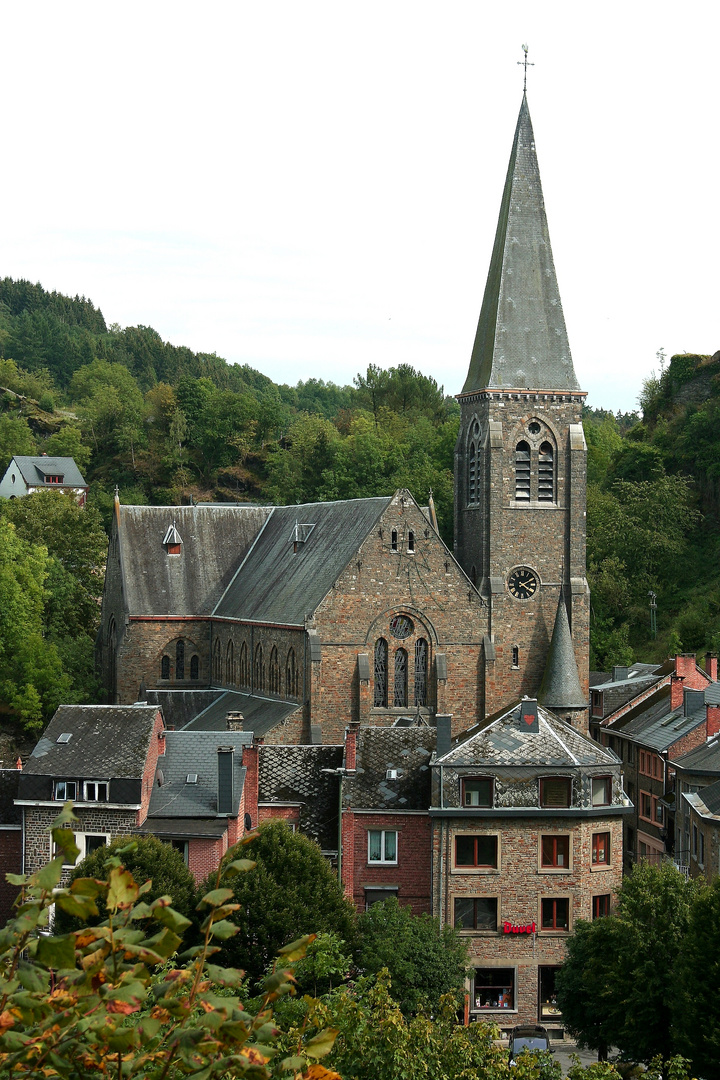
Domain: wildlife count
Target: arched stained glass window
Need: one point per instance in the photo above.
(165, 667)
(380, 699)
(274, 672)
(180, 659)
(546, 473)
(217, 661)
(230, 664)
(259, 673)
(421, 671)
(522, 471)
(244, 666)
(400, 684)
(291, 675)
(195, 667)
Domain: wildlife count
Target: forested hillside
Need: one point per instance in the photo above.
(166, 424)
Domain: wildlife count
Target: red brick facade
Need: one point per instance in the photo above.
(408, 877)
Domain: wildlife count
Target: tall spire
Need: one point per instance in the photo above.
(561, 685)
(521, 340)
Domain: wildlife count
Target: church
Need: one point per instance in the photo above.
(298, 620)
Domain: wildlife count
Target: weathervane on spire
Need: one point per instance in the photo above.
(525, 63)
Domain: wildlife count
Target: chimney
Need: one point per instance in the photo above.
(18, 764)
(234, 721)
(226, 760)
(620, 673)
(713, 720)
(529, 714)
(693, 700)
(250, 760)
(351, 732)
(711, 665)
(443, 724)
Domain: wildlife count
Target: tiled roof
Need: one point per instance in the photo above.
(658, 728)
(294, 774)
(504, 742)
(185, 828)
(561, 684)
(703, 759)
(279, 584)
(34, 470)
(181, 706)
(215, 539)
(379, 750)
(654, 707)
(106, 741)
(707, 801)
(260, 714)
(195, 753)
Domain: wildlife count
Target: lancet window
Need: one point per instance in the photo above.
(421, 672)
(380, 698)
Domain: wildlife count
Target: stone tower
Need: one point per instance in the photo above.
(520, 459)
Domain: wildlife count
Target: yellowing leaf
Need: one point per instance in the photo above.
(123, 891)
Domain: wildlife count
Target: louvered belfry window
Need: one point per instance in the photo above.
(546, 473)
(380, 699)
(401, 679)
(472, 474)
(522, 471)
(421, 670)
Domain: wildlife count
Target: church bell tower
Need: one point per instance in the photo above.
(520, 459)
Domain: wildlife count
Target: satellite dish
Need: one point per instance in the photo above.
(160, 778)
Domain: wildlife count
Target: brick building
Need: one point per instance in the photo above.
(307, 617)
(527, 838)
(11, 855)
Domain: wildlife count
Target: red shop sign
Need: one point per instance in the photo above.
(513, 928)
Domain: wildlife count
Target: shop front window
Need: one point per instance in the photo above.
(494, 988)
(547, 996)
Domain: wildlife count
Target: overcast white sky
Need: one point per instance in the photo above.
(309, 186)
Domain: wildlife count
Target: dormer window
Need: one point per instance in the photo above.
(477, 792)
(555, 792)
(96, 790)
(65, 789)
(173, 541)
(300, 535)
(57, 478)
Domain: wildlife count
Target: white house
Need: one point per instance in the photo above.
(28, 474)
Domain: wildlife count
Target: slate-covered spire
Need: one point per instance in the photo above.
(561, 684)
(521, 340)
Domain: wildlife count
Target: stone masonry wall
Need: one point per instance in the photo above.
(96, 819)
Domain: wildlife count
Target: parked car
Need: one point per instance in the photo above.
(528, 1037)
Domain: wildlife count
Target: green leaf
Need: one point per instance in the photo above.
(224, 976)
(322, 1043)
(238, 866)
(123, 892)
(85, 886)
(216, 898)
(17, 879)
(171, 918)
(82, 907)
(296, 949)
(56, 952)
(49, 876)
(65, 817)
(64, 839)
(224, 929)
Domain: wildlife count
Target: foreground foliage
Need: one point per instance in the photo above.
(108, 1001)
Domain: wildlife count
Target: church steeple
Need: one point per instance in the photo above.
(521, 341)
(560, 688)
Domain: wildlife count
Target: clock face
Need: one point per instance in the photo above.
(401, 626)
(522, 583)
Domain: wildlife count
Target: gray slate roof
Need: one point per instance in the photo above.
(703, 759)
(279, 585)
(504, 742)
(521, 337)
(658, 726)
(408, 750)
(561, 683)
(707, 801)
(215, 539)
(34, 470)
(180, 707)
(294, 774)
(260, 714)
(195, 752)
(107, 741)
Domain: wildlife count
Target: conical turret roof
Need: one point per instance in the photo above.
(521, 339)
(561, 684)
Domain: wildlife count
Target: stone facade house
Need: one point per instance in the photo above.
(526, 839)
(25, 475)
(701, 812)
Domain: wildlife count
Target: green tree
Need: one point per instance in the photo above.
(67, 441)
(696, 978)
(586, 988)
(15, 438)
(425, 960)
(148, 860)
(292, 886)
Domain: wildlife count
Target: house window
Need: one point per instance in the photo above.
(401, 679)
(96, 790)
(547, 995)
(259, 683)
(182, 847)
(478, 791)
(555, 913)
(291, 675)
(555, 792)
(476, 851)
(274, 671)
(601, 906)
(180, 659)
(87, 843)
(546, 473)
(421, 670)
(555, 852)
(522, 471)
(173, 549)
(411, 541)
(165, 667)
(601, 849)
(646, 805)
(376, 896)
(658, 811)
(494, 988)
(217, 661)
(382, 846)
(597, 703)
(230, 664)
(694, 835)
(380, 698)
(515, 656)
(195, 667)
(601, 790)
(701, 850)
(244, 665)
(65, 789)
(630, 753)
(476, 913)
(393, 540)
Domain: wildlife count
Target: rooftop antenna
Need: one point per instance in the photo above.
(525, 63)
